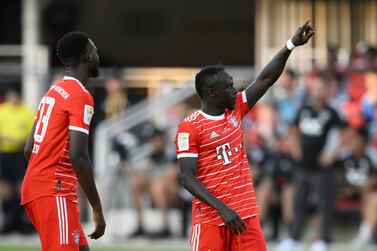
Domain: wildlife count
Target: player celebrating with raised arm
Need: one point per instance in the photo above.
(212, 159)
(57, 151)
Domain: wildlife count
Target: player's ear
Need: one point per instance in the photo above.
(87, 57)
(211, 92)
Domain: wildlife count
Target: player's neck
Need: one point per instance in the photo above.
(78, 73)
(212, 109)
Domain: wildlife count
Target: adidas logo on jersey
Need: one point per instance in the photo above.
(214, 135)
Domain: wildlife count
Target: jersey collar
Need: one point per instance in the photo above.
(207, 116)
(76, 80)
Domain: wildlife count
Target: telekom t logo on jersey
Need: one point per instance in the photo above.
(224, 152)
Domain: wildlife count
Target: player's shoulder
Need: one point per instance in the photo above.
(191, 122)
(73, 86)
(78, 92)
(192, 118)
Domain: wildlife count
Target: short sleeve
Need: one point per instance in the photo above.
(242, 103)
(80, 112)
(186, 141)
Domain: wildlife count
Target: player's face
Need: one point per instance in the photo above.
(320, 90)
(226, 91)
(93, 60)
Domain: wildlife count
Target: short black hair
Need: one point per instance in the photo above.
(71, 47)
(201, 78)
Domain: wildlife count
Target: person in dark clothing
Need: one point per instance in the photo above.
(359, 182)
(157, 176)
(314, 127)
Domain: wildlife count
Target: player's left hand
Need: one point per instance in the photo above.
(303, 34)
(99, 224)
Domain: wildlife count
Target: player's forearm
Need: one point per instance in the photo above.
(272, 71)
(196, 188)
(267, 77)
(84, 173)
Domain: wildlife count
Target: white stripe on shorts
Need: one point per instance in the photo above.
(61, 204)
(60, 221)
(66, 220)
(198, 238)
(195, 238)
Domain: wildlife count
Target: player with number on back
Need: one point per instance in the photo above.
(57, 151)
(212, 158)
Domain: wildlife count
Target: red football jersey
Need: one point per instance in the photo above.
(218, 143)
(66, 106)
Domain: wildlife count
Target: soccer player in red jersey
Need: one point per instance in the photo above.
(212, 159)
(57, 151)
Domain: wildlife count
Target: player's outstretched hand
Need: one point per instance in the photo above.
(303, 34)
(232, 220)
(99, 225)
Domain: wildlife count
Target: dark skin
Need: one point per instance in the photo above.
(78, 144)
(221, 95)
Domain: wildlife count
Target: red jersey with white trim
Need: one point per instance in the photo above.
(66, 106)
(218, 143)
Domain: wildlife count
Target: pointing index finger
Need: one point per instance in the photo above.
(306, 23)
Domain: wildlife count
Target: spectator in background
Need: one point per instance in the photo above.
(368, 105)
(359, 182)
(116, 99)
(258, 156)
(288, 98)
(16, 121)
(158, 177)
(314, 175)
(282, 199)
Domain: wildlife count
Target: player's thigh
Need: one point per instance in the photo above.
(252, 239)
(206, 237)
(59, 227)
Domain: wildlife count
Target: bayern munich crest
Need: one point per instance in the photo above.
(76, 237)
(233, 121)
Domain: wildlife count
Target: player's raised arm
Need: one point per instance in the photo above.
(78, 151)
(187, 170)
(271, 72)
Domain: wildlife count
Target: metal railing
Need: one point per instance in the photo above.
(130, 118)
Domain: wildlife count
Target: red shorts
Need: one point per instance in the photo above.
(206, 237)
(57, 221)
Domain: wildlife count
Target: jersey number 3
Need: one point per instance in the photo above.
(44, 109)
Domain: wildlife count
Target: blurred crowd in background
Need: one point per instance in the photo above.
(344, 151)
